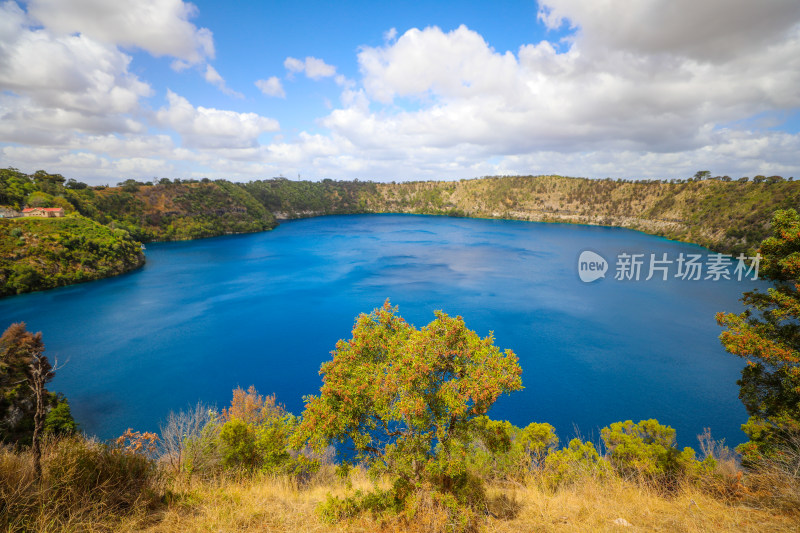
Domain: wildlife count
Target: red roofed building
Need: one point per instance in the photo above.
(43, 212)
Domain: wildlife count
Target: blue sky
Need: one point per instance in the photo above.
(105, 91)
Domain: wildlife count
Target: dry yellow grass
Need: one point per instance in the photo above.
(268, 504)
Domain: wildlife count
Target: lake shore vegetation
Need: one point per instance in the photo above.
(727, 215)
(393, 443)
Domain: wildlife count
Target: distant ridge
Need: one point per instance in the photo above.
(730, 216)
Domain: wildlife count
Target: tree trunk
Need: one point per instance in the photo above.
(38, 426)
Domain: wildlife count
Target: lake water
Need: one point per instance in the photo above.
(203, 317)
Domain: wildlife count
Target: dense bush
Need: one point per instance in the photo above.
(249, 436)
(646, 451)
(501, 450)
(578, 461)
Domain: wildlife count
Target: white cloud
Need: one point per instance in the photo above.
(160, 27)
(454, 64)
(271, 87)
(317, 69)
(126, 146)
(202, 127)
(313, 67)
(587, 99)
(293, 64)
(710, 30)
(213, 77)
(87, 166)
(644, 89)
(53, 85)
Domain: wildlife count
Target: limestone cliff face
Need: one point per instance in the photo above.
(728, 216)
(725, 215)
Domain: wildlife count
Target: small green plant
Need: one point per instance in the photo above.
(59, 419)
(335, 509)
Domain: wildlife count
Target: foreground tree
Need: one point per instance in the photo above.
(27, 409)
(767, 335)
(404, 398)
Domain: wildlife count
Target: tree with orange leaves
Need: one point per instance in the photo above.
(405, 398)
(767, 336)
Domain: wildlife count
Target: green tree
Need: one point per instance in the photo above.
(405, 398)
(59, 419)
(39, 199)
(39, 372)
(702, 174)
(49, 183)
(14, 187)
(767, 336)
(26, 408)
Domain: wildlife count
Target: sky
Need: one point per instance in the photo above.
(103, 91)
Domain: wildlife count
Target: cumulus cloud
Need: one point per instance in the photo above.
(213, 77)
(161, 27)
(85, 165)
(644, 89)
(51, 85)
(202, 127)
(271, 87)
(313, 67)
(715, 30)
(596, 96)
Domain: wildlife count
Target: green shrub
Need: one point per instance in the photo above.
(239, 449)
(254, 436)
(504, 451)
(59, 420)
(646, 451)
(335, 509)
(537, 441)
(578, 460)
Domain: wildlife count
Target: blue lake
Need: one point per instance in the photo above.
(203, 317)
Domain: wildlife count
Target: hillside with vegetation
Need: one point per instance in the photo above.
(103, 229)
(723, 214)
(288, 199)
(162, 211)
(45, 253)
